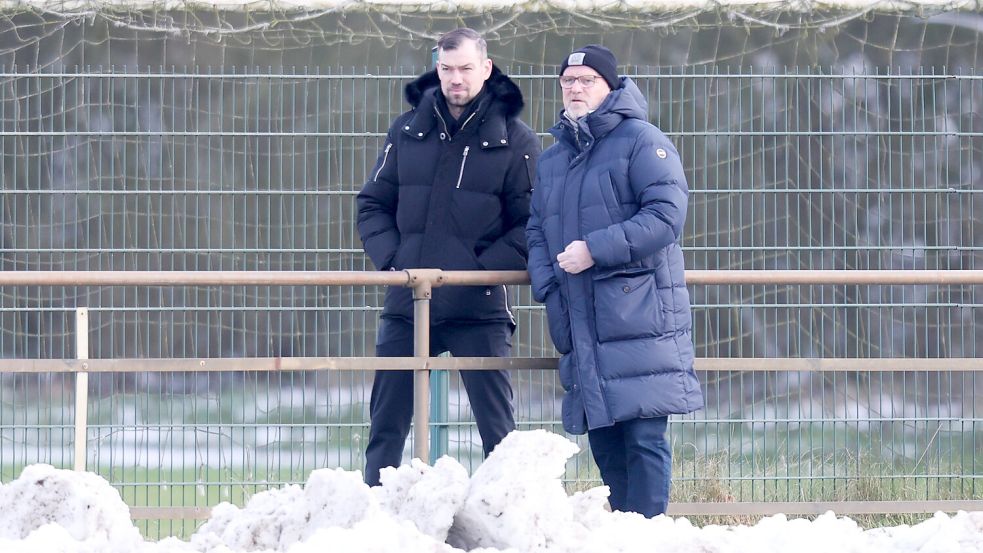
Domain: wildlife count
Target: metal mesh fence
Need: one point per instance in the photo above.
(791, 169)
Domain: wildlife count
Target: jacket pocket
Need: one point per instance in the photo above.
(558, 319)
(627, 306)
(385, 159)
(612, 200)
(530, 171)
(464, 161)
(398, 260)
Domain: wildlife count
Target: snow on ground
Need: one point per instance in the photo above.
(514, 502)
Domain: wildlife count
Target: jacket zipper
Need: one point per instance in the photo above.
(436, 112)
(507, 308)
(444, 123)
(468, 120)
(385, 158)
(464, 159)
(565, 283)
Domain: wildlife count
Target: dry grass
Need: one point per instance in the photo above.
(706, 480)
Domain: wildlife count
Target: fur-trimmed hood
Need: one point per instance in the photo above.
(498, 84)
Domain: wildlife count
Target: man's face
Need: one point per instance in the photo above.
(462, 72)
(579, 100)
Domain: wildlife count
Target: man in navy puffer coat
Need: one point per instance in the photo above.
(606, 218)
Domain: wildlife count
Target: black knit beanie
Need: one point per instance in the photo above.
(599, 59)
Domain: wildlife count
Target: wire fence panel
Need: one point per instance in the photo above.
(131, 169)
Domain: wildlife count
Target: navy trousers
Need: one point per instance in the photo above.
(635, 461)
(391, 405)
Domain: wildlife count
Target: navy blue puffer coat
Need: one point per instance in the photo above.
(623, 326)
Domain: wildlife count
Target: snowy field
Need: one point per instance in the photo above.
(514, 502)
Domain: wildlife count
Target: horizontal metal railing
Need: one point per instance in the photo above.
(275, 364)
(416, 277)
(422, 281)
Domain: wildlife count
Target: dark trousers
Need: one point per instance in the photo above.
(391, 406)
(635, 461)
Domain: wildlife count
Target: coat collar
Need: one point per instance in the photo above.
(505, 102)
(623, 103)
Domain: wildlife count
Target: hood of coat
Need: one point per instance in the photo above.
(626, 102)
(498, 84)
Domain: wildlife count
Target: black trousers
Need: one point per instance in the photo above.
(635, 461)
(391, 405)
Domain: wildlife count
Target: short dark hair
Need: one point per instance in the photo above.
(451, 40)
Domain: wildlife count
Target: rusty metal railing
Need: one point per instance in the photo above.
(422, 282)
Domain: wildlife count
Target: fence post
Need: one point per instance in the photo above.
(439, 383)
(81, 388)
(421, 377)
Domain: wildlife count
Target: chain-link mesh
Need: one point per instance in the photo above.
(224, 141)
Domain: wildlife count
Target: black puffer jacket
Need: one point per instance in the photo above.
(457, 203)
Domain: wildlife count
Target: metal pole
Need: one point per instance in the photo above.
(468, 278)
(81, 388)
(439, 384)
(439, 437)
(421, 377)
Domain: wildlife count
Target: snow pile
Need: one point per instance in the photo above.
(516, 499)
(515, 503)
(276, 519)
(48, 509)
(429, 498)
(412, 511)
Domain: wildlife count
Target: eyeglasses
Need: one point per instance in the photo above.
(586, 81)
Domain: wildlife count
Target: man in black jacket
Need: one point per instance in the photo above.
(450, 191)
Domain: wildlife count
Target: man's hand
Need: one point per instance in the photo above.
(575, 258)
